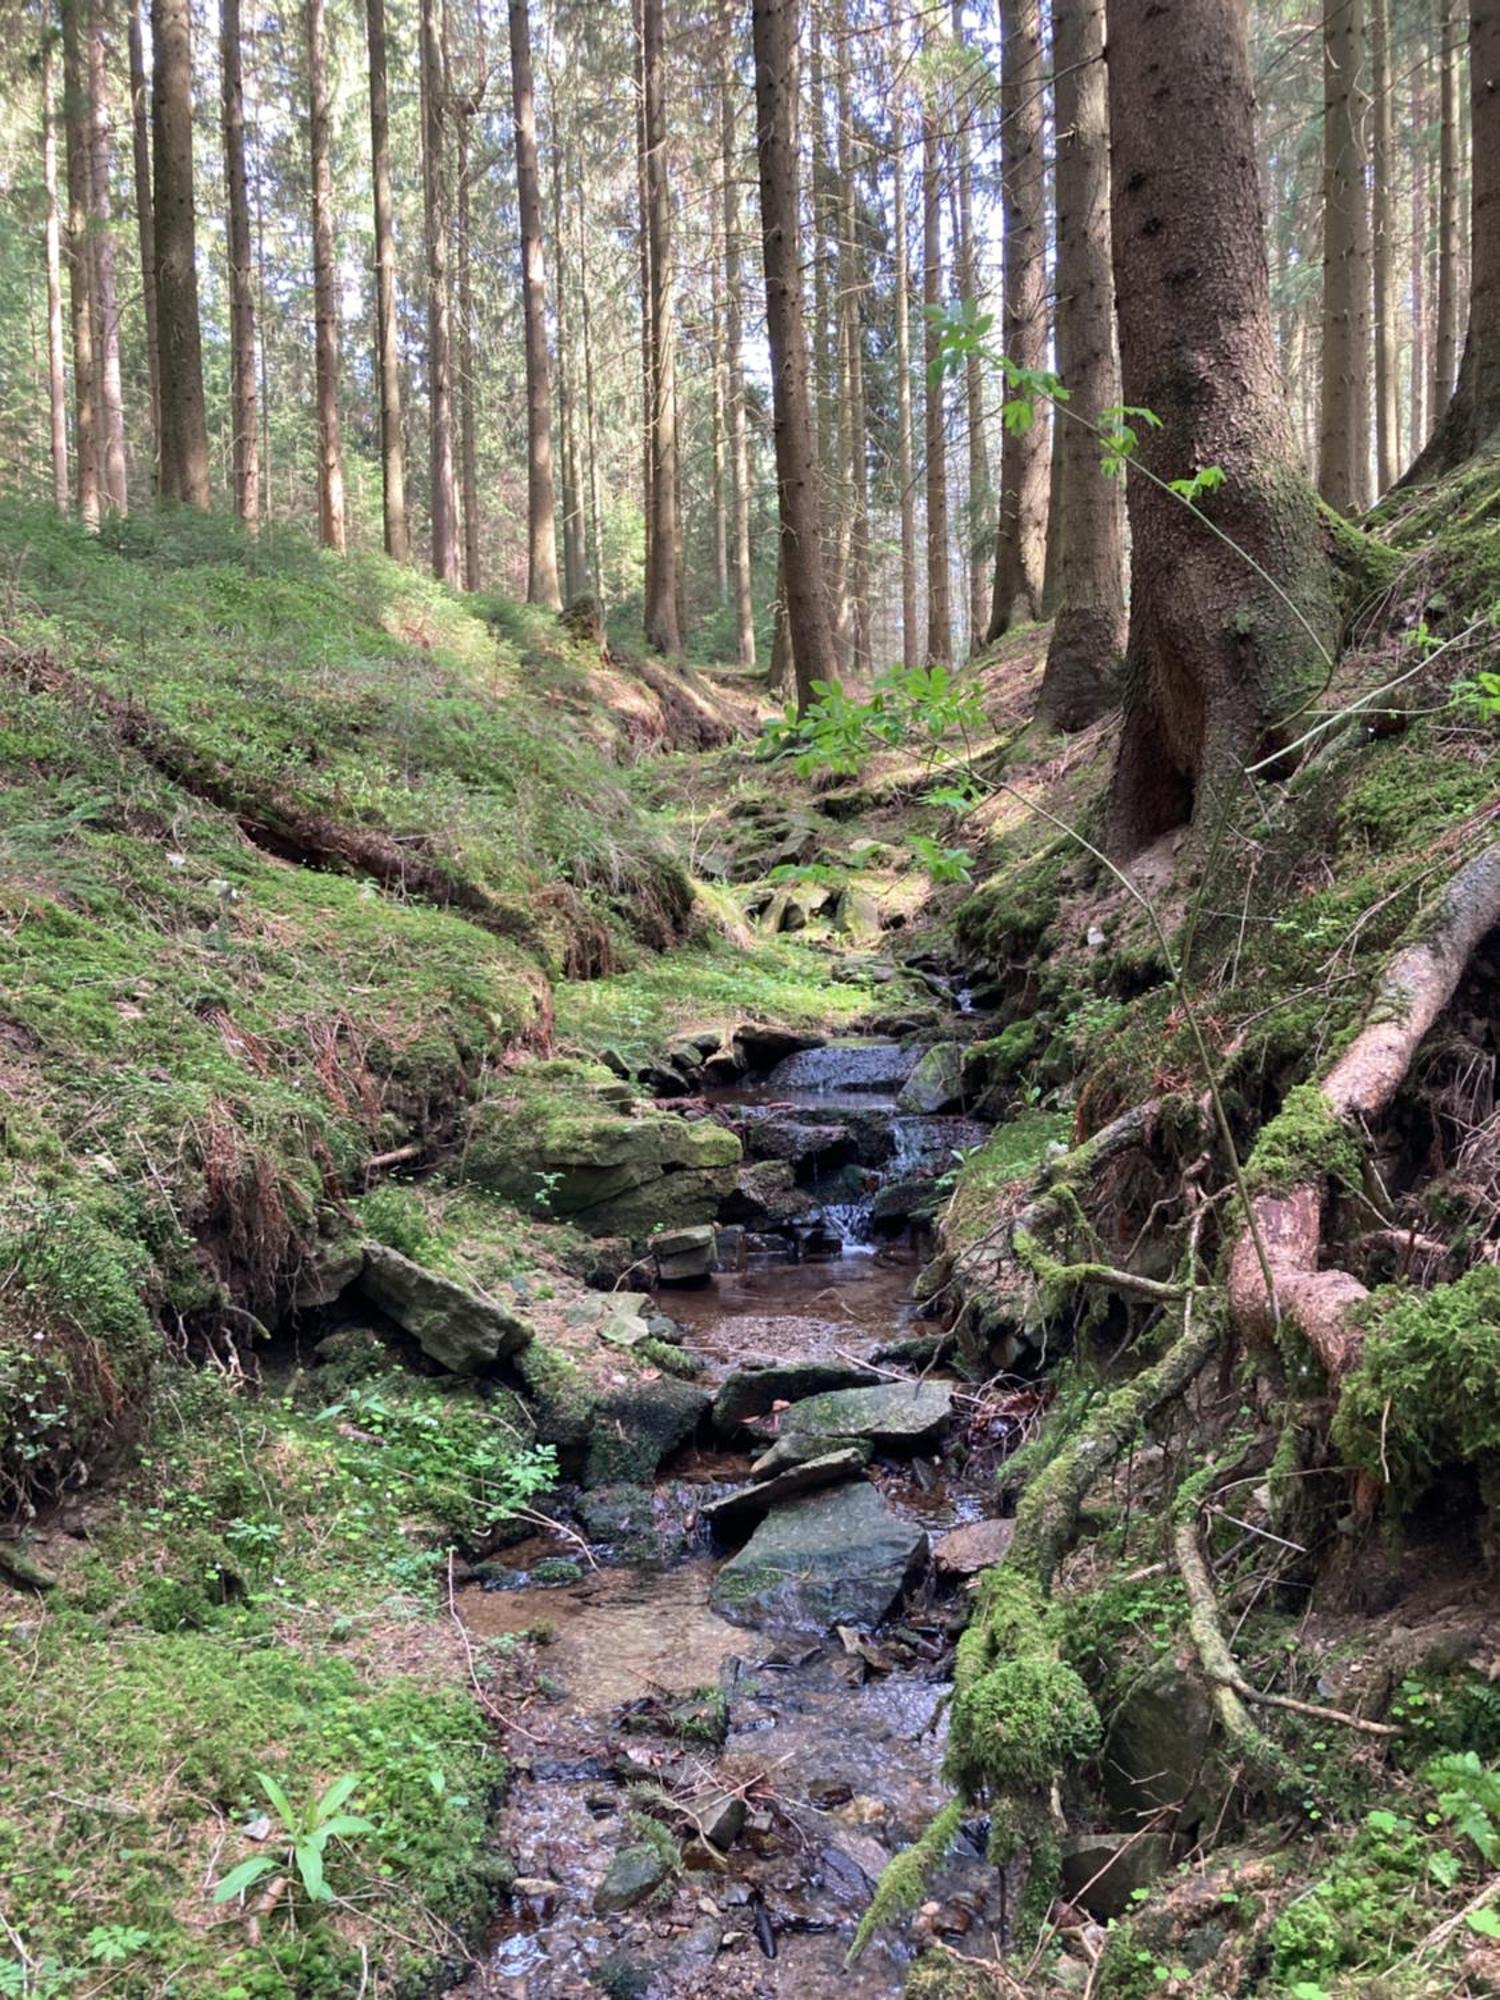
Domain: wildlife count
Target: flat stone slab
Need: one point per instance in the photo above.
(907, 1415)
(459, 1329)
(835, 1557)
(966, 1551)
(735, 1511)
(846, 1066)
(750, 1392)
(937, 1082)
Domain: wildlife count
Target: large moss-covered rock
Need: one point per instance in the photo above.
(1158, 1749)
(635, 1424)
(751, 1391)
(457, 1328)
(836, 1557)
(905, 1415)
(937, 1082)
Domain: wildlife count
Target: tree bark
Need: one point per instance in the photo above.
(935, 439)
(468, 455)
(140, 137)
(57, 379)
(184, 424)
(574, 540)
(852, 347)
(1021, 535)
(664, 566)
(718, 407)
(1420, 427)
(1383, 250)
(1342, 477)
(1216, 661)
(1088, 638)
(444, 501)
(596, 518)
(734, 362)
(979, 536)
(808, 620)
(387, 339)
(643, 255)
(80, 263)
(242, 399)
(541, 499)
(1445, 342)
(905, 439)
(325, 284)
(111, 423)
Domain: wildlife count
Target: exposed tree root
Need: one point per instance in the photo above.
(1419, 983)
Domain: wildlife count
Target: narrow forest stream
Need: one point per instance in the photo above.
(788, 1762)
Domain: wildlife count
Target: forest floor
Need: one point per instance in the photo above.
(334, 911)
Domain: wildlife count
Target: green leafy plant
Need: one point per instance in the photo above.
(305, 1835)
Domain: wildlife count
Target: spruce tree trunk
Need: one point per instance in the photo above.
(1472, 415)
(1216, 663)
(718, 442)
(244, 424)
(1383, 251)
(325, 284)
(905, 438)
(111, 425)
(1021, 534)
(935, 439)
(664, 567)
(978, 536)
(184, 425)
(852, 347)
(734, 363)
(643, 250)
(591, 440)
(80, 262)
(809, 624)
(541, 499)
(1420, 427)
(57, 379)
(1088, 638)
(1445, 339)
(468, 456)
(1342, 478)
(140, 144)
(387, 339)
(575, 568)
(444, 501)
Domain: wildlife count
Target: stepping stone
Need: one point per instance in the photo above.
(907, 1415)
(735, 1511)
(966, 1551)
(837, 1557)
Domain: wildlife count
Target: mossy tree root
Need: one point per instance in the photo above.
(1287, 1219)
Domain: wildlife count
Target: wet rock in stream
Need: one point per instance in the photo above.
(735, 1512)
(903, 1415)
(753, 1391)
(839, 1557)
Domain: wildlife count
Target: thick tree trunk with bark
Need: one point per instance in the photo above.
(242, 411)
(1021, 535)
(1445, 336)
(1420, 426)
(906, 463)
(184, 424)
(664, 564)
(444, 501)
(852, 347)
(1383, 250)
(1088, 638)
(140, 152)
(541, 499)
(1472, 414)
(591, 441)
(1342, 475)
(935, 440)
(387, 347)
(468, 453)
(106, 298)
(80, 263)
(1217, 661)
(57, 380)
(977, 536)
(325, 284)
(734, 360)
(805, 593)
(575, 554)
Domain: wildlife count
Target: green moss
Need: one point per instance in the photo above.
(1304, 1143)
(1019, 1725)
(1012, 1154)
(561, 1396)
(903, 1880)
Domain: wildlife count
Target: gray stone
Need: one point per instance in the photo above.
(1102, 1871)
(793, 1139)
(636, 1424)
(633, 1874)
(899, 1201)
(846, 1066)
(1158, 1748)
(836, 1557)
(684, 1255)
(734, 1512)
(937, 1082)
(766, 1194)
(329, 1270)
(763, 1046)
(966, 1551)
(750, 1392)
(457, 1328)
(905, 1414)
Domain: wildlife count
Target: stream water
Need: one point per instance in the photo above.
(833, 1742)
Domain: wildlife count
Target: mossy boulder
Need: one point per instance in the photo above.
(635, 1424)
(751, 1391)
(901, 1415)
(632, 1876)
(937, 1082)
(459, 1329)
(836, 1557)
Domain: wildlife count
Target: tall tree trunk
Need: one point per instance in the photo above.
(905, 437)
(1471, 417)
(809, 623)
(1021, 535)
(387, 339)
(325, 284)
(734, 362)
(80, 263)
(439, 320)
(643, 255)
(57, 380)
(718, 448)
(541, 500)
(468, 453)
(1383, 250)
(820, 179)
(978, 535)
(1216, 661)
(852, 345)
(1346, 272)
(1445, 345)
(145, 217)
(664, 569)
(591, 439)
(242, 400)
(184, 424)
(1080, 679)
(574, 564)
(106, 297)
(1420, 426)
(939, 606)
